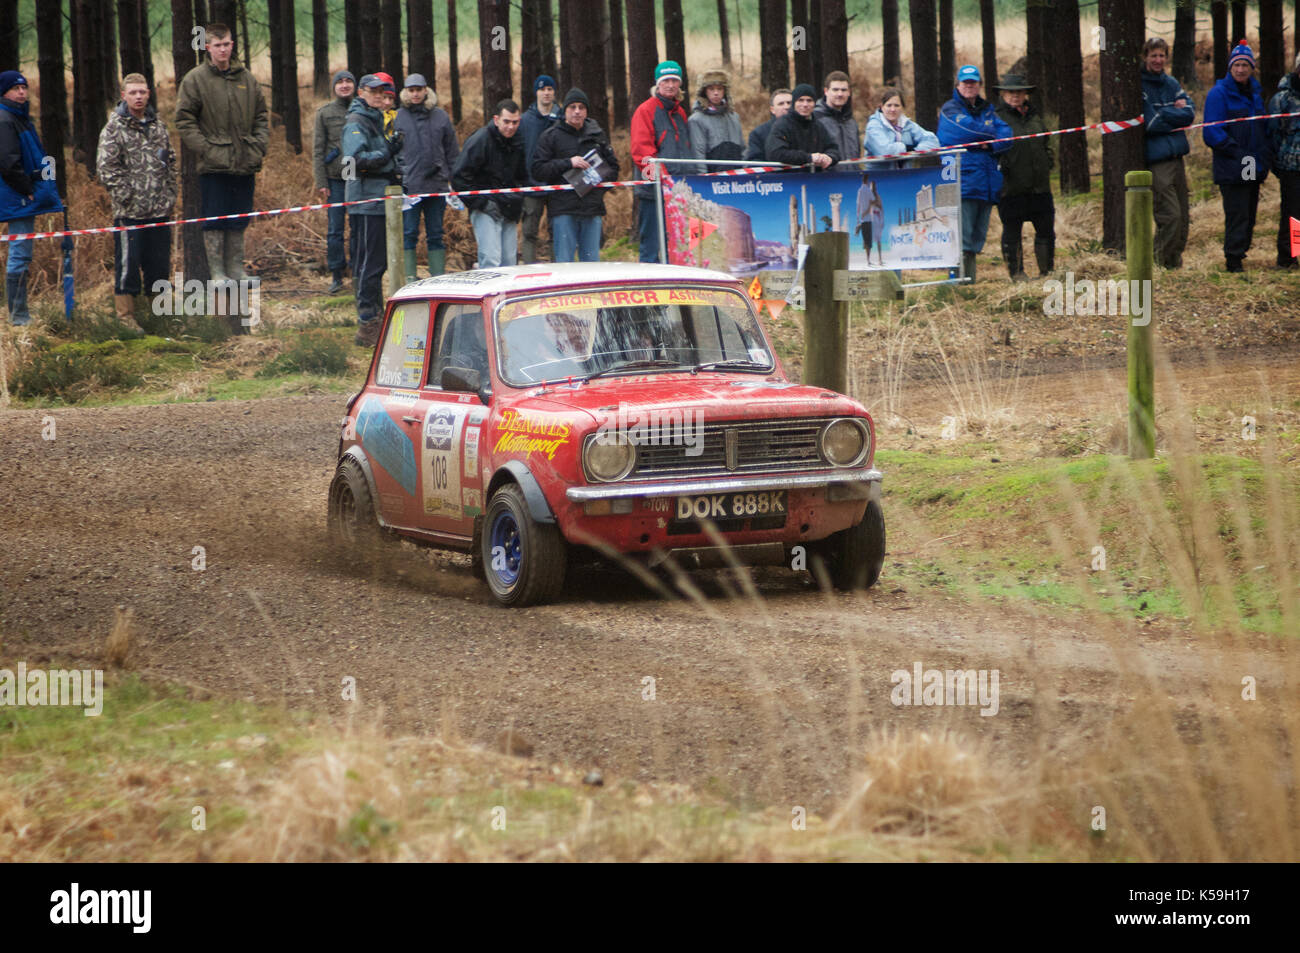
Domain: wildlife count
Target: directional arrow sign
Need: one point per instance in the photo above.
(776, 284)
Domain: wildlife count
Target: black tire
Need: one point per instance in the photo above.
(353, 525)
(855, 556)
(529, 566)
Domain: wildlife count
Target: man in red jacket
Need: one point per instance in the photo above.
(659, 129)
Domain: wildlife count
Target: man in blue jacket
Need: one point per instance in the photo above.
(1242, 151)
(540, 116)
(968, 119)
(1166, 109)
(27, 187)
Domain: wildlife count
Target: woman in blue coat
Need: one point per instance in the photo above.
(890, 133)
(968, 119)
(1242, 151)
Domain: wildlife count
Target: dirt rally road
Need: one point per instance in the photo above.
(766, 702)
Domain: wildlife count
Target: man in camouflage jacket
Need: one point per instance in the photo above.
(136, 164)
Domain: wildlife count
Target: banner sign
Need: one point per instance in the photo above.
(896, 218)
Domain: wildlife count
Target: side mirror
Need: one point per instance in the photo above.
(464, 379)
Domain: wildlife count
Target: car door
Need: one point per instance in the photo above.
(388, 423)
(451, 484)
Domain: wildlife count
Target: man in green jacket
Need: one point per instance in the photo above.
(327, 170)
(221, 115)
(1026, 181)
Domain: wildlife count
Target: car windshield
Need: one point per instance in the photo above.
(642, 330)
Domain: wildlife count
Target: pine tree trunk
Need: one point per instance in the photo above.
(642, 50)
(128, 40)
(1073, 149)
(925, 61)
(567, 52)
(54, 91)
(352, 39)
(453, 61)
(774, 64)
(194, 261)
(88, 92)
(201, 17)
(618, 64)
(724, 35)
(1219, 32)
(815, 44)
(247, 58)
(550, 65)
(108, 58)
(1035, 43)
(800, 40)
(320, 50)
(273, 25)
(989, 37)
(224, 11)
(589, 62)
(1121, 98)
(1183, 61)
(422, 52)
(1272, 46)
(1238, 21)
(146, 45)
(289, 63)
(1049, 93)
(675, 38)
(392, 40)
(9, 37)
(948, 52)
(371, 45)
(494, 51)
(891, 64)
(835, 36)
(530, 49)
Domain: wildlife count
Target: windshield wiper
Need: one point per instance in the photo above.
(634, 365)
(739, 363)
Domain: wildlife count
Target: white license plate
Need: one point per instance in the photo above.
(721, 506)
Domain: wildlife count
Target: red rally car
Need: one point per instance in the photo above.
(631, 409)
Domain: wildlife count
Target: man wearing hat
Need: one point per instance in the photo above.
(373, 159)
(429, 151)
(660, 129)
(575, 219)
(1242, 151)
(27, 187)
(540, 116)
(1166, 109)
(221, 116)
(715, 127)
(1026, 180)
(967, 119)
(799, 138)
(327, 169)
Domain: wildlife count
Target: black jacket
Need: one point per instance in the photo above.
(757, 150)
(555, 147)
(794, 139)
(491, 161)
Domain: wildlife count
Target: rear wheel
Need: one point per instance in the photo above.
(854, 556)
(523, 560)
(352, 521)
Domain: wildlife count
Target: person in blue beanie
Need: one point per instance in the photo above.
(27, 187)
(540, 116)
(1242, 151)
(1166, 109)
(968, 119)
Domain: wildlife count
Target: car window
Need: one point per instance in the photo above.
(551, 337)
(461, 342)
(401, 360)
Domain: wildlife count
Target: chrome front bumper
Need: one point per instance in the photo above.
(849, 480)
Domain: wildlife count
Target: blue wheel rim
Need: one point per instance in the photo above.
(504, 538)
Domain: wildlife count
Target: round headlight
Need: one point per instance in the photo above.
(609, 457)
(844, 442)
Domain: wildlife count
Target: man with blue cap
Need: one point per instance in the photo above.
(968, 119)
(540, 116)
(27, 187)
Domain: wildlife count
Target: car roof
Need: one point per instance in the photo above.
(549, 276)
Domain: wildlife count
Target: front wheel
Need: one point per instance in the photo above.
(352, 521)
(523, 560)
(854, 556)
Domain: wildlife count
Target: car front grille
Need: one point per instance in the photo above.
(765, 446)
